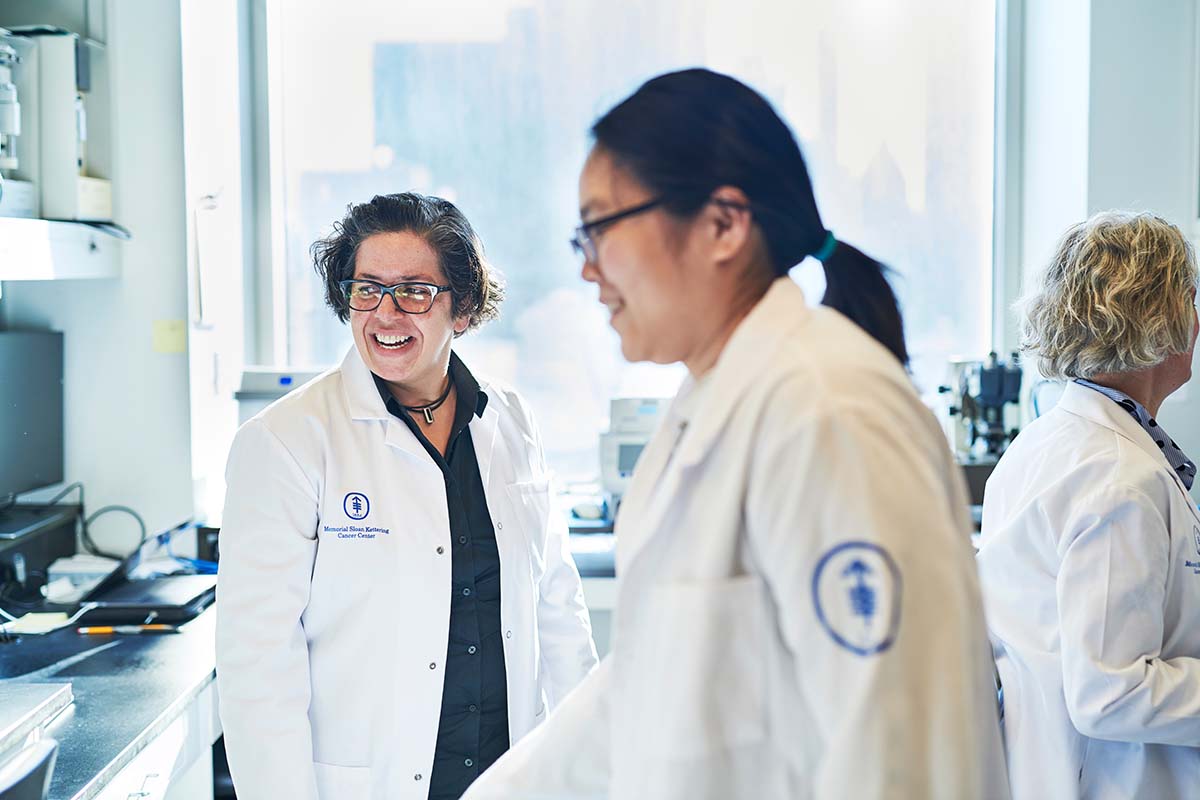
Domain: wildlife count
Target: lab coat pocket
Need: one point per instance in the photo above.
(531, 506)
(704, 666)
(342, 783)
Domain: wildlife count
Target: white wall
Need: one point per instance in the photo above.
(1110, 105)
(1055, 135)
(126, 403)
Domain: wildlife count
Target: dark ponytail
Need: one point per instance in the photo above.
(857, 286)
(685, 134)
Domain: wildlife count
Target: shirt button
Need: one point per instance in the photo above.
(462, 540)
(469, 763)
(466, 592)
(441, 550)
(471, 649)
(472, 708)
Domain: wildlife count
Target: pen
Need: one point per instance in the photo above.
(103, 629)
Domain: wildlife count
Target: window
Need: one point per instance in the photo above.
(488, 103)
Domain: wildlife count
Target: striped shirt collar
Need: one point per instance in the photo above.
(1184, 467)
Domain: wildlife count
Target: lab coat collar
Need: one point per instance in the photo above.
(1096, 407)
(365, 403)
(362, 396)
(746, 359)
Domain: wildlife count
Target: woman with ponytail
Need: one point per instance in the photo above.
(798, 611)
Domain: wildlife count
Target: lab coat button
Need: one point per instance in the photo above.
(416, 777)
(433, 665)
(500, 526)
(508, 634)
(441, 550)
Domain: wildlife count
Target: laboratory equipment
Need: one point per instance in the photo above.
(70, 152)
(632, 421)
(262, 386)
(978, 394)
(31, 425)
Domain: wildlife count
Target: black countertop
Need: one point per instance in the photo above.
(127, 690)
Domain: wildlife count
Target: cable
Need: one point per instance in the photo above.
(90, 544)
(83, 609)
(66, 491)
(200, 566)
(85, 531)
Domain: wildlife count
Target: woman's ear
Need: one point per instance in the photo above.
(731, 222)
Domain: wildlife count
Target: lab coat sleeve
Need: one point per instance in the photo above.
(268, 543)
(1111, 590)
(564, 625)
(913, 718)
(567, 757)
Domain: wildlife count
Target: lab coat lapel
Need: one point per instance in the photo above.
(367, 407)
(745, 359)
(484, 435)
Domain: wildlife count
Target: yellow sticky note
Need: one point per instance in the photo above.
(170, 336)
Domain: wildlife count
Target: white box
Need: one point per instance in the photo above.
(93, 199)
(18, 199)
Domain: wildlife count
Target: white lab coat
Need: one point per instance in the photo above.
(725, 680)
(332, 627)
(1090, 563)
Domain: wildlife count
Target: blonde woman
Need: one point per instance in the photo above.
(1090, 555)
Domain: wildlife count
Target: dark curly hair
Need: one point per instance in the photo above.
(475, 287)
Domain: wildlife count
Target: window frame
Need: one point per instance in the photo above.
(267, 307)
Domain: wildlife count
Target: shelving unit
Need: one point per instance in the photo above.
(40, 250)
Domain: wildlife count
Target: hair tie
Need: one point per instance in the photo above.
(827, 248)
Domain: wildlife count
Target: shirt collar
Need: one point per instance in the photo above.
(1184, 467)
(465, 385)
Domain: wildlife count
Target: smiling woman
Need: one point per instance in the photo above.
(400, 439)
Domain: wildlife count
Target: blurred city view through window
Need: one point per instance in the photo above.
(488, 103)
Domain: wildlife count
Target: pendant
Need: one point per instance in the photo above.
(428, 412)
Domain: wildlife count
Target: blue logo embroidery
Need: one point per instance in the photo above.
(856, 592)
(1196, 537)
(356, 505)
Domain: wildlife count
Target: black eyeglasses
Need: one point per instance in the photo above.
(584, 241)
(411, 297)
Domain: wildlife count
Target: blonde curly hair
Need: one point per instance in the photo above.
(1116, 297)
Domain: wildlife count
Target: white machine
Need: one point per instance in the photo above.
(632, 421)
(262, 386)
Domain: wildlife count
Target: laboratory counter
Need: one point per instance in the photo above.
(144, 714)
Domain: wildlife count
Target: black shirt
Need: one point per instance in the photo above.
(473, 730)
